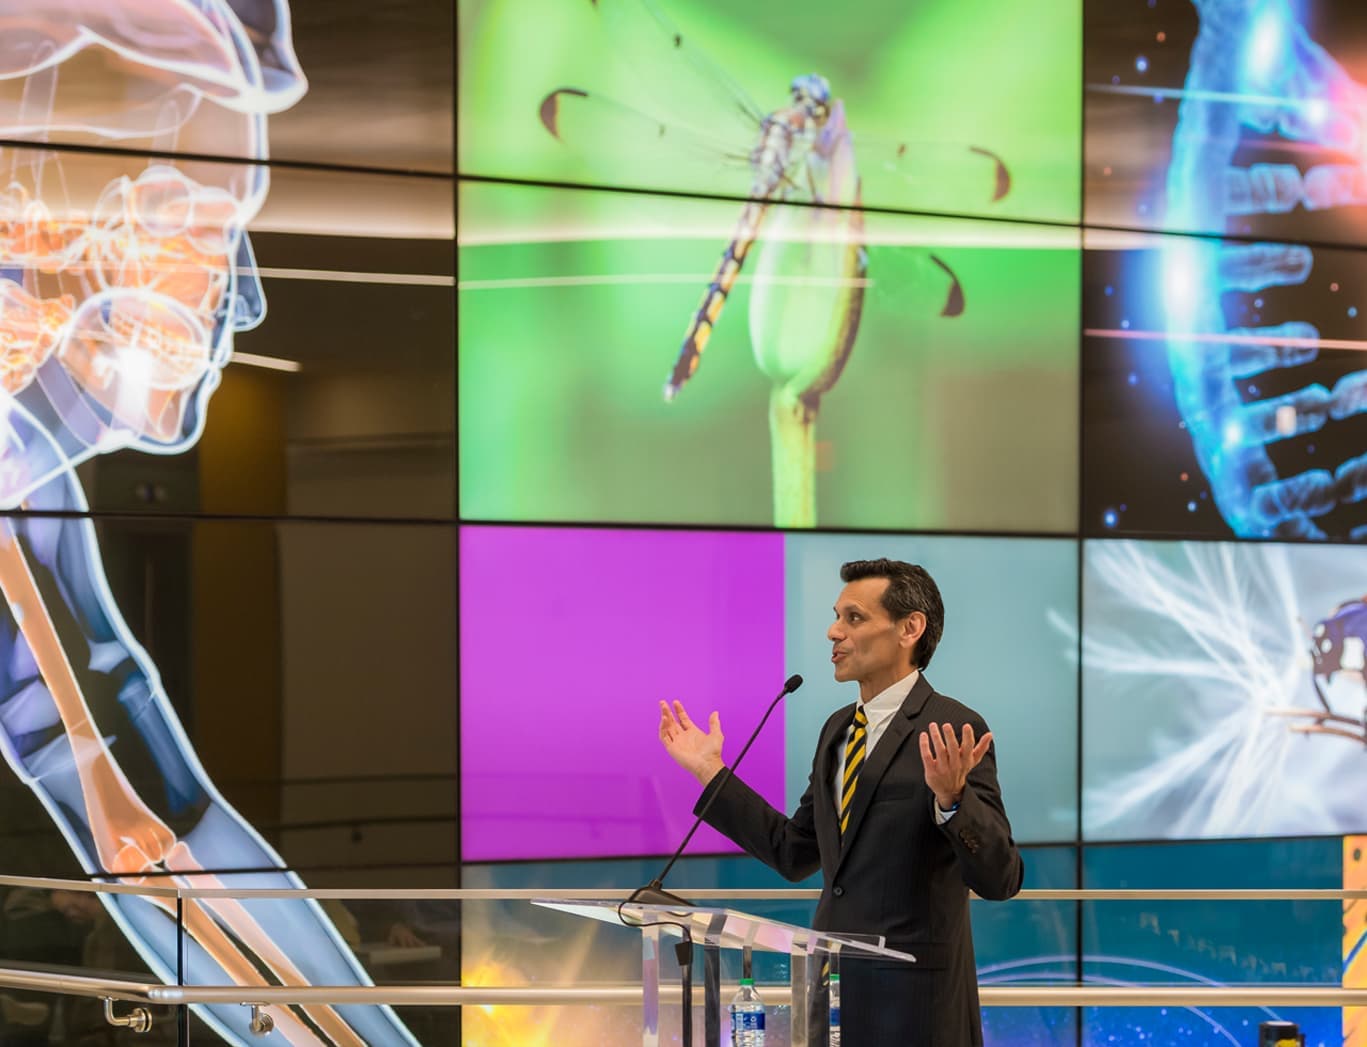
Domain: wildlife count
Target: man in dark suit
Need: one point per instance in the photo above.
(900, 829)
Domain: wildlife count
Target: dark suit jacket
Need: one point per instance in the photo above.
(897, 872)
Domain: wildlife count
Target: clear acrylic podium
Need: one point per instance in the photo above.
(717, 929)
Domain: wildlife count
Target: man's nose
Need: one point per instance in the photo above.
(833, 633)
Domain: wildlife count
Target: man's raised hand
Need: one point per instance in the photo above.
(696, 752)
(948, 760)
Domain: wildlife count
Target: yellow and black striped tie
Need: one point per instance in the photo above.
(854, 759)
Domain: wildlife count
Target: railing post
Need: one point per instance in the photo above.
(139, 1019)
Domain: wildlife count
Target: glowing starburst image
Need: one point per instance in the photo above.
(1205, 712)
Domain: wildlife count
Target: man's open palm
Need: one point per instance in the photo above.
(948, 760)
(696, 751)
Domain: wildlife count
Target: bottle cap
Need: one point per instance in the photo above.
(747, 981)
(835, 978)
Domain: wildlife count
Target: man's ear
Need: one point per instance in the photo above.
(910, 631)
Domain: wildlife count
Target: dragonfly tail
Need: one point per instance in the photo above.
(713, 300)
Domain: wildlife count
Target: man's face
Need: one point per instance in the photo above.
(867, 645)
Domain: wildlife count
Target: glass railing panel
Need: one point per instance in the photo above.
(53, 930)
(304, 940)
(1260, 943)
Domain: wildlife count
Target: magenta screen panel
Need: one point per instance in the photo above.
(569, 639)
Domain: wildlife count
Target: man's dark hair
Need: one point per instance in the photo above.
(910, 588)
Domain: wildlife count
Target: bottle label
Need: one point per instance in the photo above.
(835, 1017)
(747, 1021)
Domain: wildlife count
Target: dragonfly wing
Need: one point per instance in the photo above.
(1002, 179)
(832, 173)
(954, 298)
(630, 144)
(936, 175)
(672, 75)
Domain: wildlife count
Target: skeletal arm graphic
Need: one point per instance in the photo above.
(123, 280)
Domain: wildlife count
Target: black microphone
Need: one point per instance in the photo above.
(653, 893)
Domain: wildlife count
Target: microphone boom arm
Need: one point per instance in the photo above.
(653, 893)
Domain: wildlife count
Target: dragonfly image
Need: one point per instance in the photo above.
(808, 258)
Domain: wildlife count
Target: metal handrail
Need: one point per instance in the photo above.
(143, 995)
(50, 884)
(1252, 995)
(989, 995)
(1313, 894)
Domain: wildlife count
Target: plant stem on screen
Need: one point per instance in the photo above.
(792, 436)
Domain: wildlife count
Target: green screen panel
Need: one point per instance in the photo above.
(947, 351)
(671, 95)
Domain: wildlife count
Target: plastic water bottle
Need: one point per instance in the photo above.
(747, 1016)
(833, 1039)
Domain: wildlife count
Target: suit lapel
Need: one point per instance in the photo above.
(829, 746)
(899, 729)
(826, 822)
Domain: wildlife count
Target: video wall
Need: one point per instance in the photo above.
(174, 468)
(1061, 302)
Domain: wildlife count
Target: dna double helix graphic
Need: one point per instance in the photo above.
(1255, 75)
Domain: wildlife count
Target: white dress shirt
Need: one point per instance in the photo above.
(880, 710)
